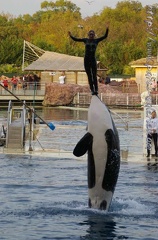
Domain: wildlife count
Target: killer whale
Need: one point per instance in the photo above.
(102, 143)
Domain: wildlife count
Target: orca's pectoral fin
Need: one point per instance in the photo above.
(83, 145)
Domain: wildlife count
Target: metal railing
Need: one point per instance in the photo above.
(110, 99)
(81, 99)
(35, 89)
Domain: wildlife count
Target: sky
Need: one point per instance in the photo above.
(88, 7)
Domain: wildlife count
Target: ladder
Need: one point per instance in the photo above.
(16, 123)
(15, 137)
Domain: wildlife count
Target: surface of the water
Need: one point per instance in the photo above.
(44, 197)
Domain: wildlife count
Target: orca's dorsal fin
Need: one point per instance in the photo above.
(83, 145)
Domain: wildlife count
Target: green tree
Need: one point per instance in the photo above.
(60, 6)
(47, 28)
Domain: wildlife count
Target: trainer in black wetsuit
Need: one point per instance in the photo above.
(90, 63)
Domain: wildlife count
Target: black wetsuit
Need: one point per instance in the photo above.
(90, 63)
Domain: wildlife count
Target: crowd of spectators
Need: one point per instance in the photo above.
(25, 82)
(105, 80)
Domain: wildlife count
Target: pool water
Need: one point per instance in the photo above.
(46, 197)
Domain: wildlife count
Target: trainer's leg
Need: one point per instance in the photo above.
(94, 75)
(89, 74)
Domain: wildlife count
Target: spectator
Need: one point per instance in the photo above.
(14, 81)
(107, 79)
(19, 84)
(62, 78)
(31, 81)
(5, 83)
(101, 80)
(152, 132)
(154, 85)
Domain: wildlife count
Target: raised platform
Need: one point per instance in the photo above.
(28, 95)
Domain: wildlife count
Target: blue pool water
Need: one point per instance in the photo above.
(44, 197)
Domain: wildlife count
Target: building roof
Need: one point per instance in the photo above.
(143, 62)
(52, 61)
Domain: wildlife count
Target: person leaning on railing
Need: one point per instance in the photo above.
(152, 132)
